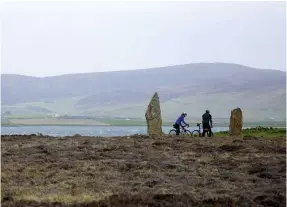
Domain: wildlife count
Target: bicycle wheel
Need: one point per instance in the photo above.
(172, 132)
(186, 133)
(195, 133)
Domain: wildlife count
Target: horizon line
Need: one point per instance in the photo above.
(149, 68)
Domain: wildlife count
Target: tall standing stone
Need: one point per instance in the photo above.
(153, 117)
(236, 123)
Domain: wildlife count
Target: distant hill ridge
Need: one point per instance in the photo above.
(180, 87)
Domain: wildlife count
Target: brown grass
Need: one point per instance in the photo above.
(141, 171)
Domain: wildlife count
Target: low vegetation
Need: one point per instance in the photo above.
(258, 132)
(139, 171)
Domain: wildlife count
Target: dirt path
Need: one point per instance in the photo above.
(140, 171)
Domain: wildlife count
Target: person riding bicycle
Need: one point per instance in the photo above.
(206, 119)
(179, 121)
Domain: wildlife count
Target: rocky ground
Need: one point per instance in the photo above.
(140, 171)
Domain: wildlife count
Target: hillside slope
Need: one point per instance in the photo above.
(191, 87)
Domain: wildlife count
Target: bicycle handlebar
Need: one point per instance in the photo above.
(186, 126)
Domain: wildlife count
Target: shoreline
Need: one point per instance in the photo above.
(123, 125)
(263, 132)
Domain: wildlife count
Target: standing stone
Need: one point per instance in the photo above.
(153, 117)
(236, 123)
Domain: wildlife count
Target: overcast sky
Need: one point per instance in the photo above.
(44, 39)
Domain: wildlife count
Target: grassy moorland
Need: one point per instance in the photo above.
(142, 171)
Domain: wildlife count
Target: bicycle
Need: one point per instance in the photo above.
(197, 132)
(183, 132)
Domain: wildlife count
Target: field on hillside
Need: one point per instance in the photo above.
(27, 119)
(76, 122)
(142, 171)
(220, 105)
(55, 122)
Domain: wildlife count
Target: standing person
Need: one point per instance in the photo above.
(206, 119)
(179, 121)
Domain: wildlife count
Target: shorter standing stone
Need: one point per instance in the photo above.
(153, 117)
(236, 123)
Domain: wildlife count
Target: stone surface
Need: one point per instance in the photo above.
(236, 123)
(153, 117)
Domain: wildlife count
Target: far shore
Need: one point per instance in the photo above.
(117, 125)
(110, 122)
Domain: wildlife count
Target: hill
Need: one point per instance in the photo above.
(191, 88)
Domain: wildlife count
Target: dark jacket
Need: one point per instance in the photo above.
(206, 118)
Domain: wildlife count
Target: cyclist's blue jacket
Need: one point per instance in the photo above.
(180, 119)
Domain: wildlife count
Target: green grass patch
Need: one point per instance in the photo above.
(258, 132)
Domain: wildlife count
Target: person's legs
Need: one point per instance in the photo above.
(176, 126)
(203, 129)
(206, 129)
